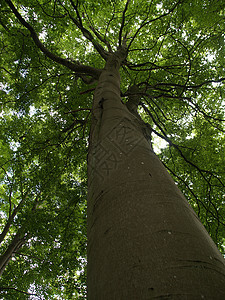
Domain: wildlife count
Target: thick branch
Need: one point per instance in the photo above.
(10, 220)
(65, 62)
(17, 242)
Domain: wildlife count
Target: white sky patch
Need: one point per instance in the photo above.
(210, 57)
(158, 143)
(32, 111)
(216, 84)
(43, 35)
(5, 88)
(3, 215)
(191, 136)
(159, 6)
(14, 145)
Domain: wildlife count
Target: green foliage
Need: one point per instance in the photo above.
(175, 56)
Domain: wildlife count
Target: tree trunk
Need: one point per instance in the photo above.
(10, 219)
(144, 240)
(17, 242)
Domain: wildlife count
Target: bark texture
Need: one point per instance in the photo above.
(17, 242)
(144, 240)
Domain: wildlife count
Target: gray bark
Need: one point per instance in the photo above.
(144, 239)
(17, 242)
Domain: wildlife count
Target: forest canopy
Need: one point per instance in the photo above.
(52, 54)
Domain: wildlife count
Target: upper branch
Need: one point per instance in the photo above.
(78, 22)
(122, 23)
(190, 86)
(98, 34)
(78, 68)
(145, 22)
(102, 39)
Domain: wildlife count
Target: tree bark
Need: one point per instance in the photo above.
(144, 239)
(10, 219)
(17, 242)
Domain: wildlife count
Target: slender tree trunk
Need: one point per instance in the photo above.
(5, 230)
(17, 242)
(9, 222)
(19, 239)
(144, 240)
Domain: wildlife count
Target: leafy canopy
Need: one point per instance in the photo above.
(52, 53)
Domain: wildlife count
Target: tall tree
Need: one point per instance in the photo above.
(156, 70)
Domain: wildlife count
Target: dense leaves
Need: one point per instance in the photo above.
(176, 58)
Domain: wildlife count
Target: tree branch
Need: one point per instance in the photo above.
(83, 69)
(123, 22)
(17, 242)
(98, 34)
(10, 219)
(193, 194)
(144, 23)
(16, 290)
(189, 86)
(85, 31)
(165, 137)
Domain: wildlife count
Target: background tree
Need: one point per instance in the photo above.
(52, 54)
